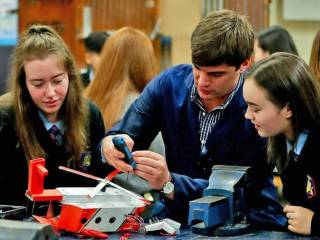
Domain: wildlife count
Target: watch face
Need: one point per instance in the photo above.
(168, 188)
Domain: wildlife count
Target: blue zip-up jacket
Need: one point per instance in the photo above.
(165, 105)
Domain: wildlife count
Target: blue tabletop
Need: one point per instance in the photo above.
(186, 234)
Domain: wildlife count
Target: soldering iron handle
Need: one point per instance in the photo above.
(120, 144)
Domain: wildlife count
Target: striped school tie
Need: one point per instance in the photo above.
(55, 135)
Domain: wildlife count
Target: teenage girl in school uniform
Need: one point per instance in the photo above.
(283, 100)
(46, 92)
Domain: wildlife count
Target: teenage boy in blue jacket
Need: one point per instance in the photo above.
(199, 109)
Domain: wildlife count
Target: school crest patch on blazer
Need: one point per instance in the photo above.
(85, 160)
(311, 187)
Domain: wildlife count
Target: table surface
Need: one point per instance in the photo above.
(186, 234)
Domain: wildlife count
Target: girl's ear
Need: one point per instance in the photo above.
(287, 111)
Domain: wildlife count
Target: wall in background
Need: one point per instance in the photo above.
(8, 37)
(302, 31)
(179, 18)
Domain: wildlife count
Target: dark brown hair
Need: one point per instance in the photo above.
(288, 80)
(222, 37)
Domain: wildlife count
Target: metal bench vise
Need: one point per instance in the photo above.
(222, 209)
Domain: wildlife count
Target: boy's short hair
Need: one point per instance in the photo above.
(222, 37)
(95, 41)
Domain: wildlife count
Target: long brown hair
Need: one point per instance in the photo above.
(315, 56)
(127, 64)
(38, 42)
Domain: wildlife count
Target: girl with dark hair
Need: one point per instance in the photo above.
(271, 40)
(283, 100)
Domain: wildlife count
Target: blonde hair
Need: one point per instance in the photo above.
(127, 64)
(315, 56)
(39, 42)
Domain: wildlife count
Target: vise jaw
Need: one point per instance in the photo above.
(222, 210)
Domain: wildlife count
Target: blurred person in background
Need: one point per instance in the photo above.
(93, 44)
(271, 40)
(127, 64)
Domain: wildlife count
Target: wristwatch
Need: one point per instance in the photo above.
(168, 187)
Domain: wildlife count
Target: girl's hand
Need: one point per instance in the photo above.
(299, 219)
